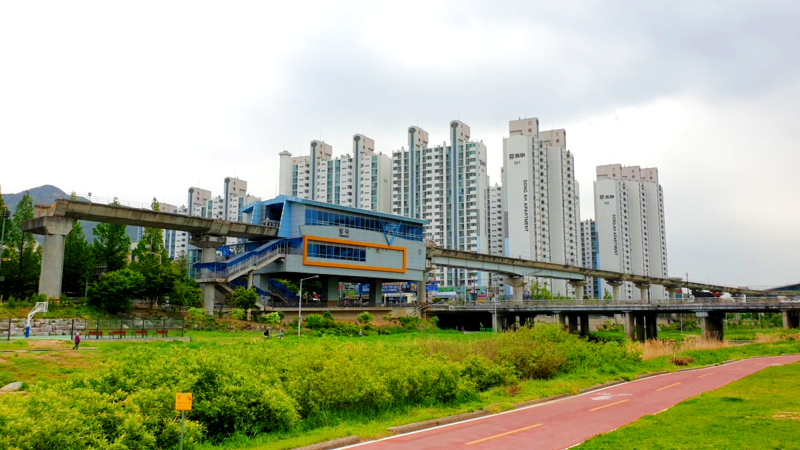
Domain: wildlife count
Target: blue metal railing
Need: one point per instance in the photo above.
(241, 282)
(282, 290)
(226, 269)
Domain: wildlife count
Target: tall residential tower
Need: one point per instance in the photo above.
(447, 185)
(541, 204)
(629, 210)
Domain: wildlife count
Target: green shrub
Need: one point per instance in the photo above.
(196, 313)
(272, 318)
(327, 315)
(364, 318)
(281, 314)
(315, 321)
(237, 314)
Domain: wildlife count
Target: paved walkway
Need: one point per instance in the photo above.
(563, 423)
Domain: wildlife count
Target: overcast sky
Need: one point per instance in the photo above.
(142, 99)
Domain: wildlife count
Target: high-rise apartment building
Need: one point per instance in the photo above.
(198, 202)
(448, 186)
(589, 255)
(360, 180)
(541, 202)
(629, 210)
(497, 281)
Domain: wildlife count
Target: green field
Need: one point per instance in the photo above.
(254, 393)
(761, 411)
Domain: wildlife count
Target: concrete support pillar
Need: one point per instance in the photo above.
(518, 286)
(578, 286)
(250, 279)
(422, 287)
(584, 324)
(331, 289)
(495, 323)
(630, 325)
(375, 291)
(652, 325)
(560, 317)
(208, 254)
(791, 319)
(55, 230)
(643, 289)
(640, 333)
(712, 326)
(573, 323)
(615, 289)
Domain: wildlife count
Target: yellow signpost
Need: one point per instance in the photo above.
(183, 403)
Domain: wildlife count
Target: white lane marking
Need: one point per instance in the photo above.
(608, 395)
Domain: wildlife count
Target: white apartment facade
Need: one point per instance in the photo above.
(629, 210)
(447, 185)
(360, 180)
(541, 201)
(497, 281)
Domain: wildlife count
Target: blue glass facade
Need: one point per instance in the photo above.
(341, 252)
(400, 229)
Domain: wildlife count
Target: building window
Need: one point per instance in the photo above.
(340, 252)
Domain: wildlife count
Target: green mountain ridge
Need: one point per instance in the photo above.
(47, 195)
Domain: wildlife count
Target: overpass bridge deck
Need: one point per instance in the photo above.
(765, 305)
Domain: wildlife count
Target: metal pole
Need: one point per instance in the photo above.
(183, 413)
(300, 309)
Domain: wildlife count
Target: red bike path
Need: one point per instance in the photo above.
(567, 422)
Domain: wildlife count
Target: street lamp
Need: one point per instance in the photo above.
(300, 304)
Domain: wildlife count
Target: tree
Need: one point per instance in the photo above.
(540, 292)
(606, 295)
(24, 259)
(115, 291)
(150, 258)
(185, 291)
(244, 298)
(111, 245)
(78, 261)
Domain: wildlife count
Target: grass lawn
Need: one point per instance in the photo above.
(761, 411)
(48, 367)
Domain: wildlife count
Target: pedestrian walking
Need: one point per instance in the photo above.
(77, 340)
(280, 335)
(266, 333)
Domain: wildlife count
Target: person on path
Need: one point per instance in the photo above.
(360, 333)
(280, 335)
(77, 340)
(266, 333)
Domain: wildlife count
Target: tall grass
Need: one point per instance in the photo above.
(653, 348)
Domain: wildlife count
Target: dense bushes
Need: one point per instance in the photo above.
(265, 386)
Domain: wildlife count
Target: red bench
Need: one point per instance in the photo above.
(119, 333)
(142, 333)
(97, 333)
(162, 333)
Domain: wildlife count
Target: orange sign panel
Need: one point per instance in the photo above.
(183, 402)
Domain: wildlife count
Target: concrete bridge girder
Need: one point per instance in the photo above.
(505, 269)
